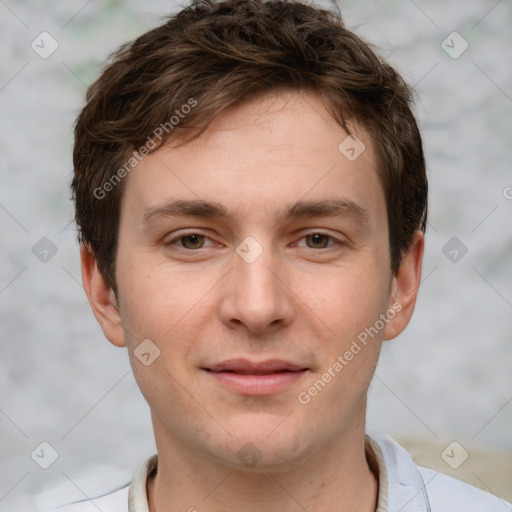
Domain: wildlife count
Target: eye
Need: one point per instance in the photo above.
(318, 240)
(189, 241)
(193, 241)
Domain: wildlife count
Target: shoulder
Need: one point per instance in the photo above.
(414, 488)
(447, 494)
(116, 501)
(100, 490)
(99, 487)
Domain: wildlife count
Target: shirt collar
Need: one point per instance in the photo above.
(137, 494)
(378, 467)
(388, 461)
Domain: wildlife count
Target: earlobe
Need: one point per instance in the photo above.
(404, 287)
(101, 297)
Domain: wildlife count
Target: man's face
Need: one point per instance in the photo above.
(296, 269)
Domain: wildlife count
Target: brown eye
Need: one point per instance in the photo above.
(192, 241)
(317, 241)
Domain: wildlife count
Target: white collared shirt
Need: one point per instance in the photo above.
(403, 487)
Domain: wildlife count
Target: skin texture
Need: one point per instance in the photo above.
(303, 299)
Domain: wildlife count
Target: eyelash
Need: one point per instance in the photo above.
(190, 233)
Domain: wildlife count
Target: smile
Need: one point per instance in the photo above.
(252, 381)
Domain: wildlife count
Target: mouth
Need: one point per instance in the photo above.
(251, 372)
(256, 378)
(246, 367)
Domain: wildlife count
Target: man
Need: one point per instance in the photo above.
(251, 199)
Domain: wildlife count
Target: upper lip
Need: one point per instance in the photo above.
(244, 365)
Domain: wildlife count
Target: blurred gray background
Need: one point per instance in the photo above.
(447, 378)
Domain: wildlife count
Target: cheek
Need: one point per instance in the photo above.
(158, 316)
(157, 296)
(168, 307)
(347, 299)
(350, 307)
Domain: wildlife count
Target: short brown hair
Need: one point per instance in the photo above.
(220, 54)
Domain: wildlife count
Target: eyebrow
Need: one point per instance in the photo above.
(341, 208)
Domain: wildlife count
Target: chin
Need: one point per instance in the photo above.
(260, 445)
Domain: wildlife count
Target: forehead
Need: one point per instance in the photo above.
(257, 156)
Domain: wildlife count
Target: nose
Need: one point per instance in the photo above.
(255, 296)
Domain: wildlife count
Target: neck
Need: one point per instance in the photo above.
(337, 477)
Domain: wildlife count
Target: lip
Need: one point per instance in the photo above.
(244, 365)
(256, 378)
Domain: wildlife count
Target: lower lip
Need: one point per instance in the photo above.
(257, 384)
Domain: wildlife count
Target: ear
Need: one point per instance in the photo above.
(405, 286)
(101, 298)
